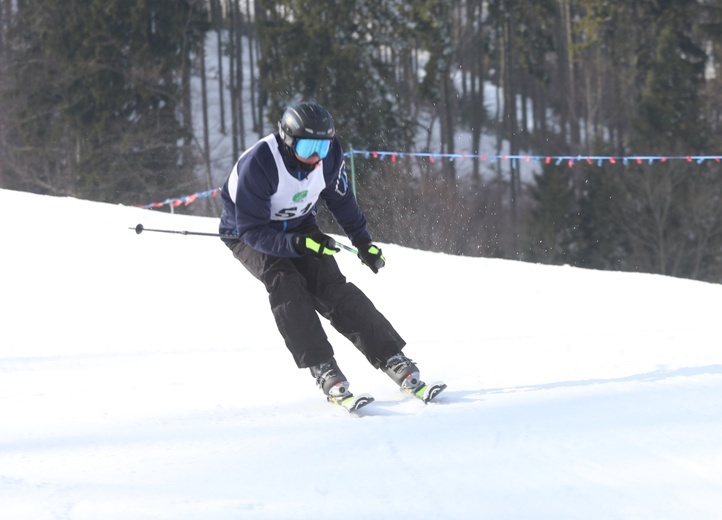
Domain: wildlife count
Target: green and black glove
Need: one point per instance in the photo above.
(371, 256)
(315, 243)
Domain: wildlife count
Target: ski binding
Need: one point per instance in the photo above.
(427, 392)
(351, 403)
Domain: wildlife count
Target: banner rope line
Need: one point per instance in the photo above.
(569, 160)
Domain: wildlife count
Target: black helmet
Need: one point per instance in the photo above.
(305, 121)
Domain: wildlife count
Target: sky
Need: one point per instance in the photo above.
(142, 376)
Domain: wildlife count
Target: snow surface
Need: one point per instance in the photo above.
(142, 377)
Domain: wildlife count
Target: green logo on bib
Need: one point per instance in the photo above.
(298, 197)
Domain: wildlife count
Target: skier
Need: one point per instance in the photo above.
(269, 202)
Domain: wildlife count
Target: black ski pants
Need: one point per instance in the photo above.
(301, 288)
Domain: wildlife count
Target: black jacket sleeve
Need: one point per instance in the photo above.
(341, 201)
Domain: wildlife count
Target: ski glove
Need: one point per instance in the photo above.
(371, 256)
(315, 243)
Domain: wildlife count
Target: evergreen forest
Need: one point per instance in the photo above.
(114, 101)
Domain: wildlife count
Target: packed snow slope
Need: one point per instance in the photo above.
(142, 377)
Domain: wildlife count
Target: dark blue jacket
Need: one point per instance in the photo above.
(254, 181)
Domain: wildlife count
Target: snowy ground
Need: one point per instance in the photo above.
(142, 377)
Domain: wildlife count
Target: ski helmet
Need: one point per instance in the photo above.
(305, 121)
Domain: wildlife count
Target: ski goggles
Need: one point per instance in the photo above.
(307, 147)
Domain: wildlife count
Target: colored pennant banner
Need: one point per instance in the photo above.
(569, 160)
(181, 201)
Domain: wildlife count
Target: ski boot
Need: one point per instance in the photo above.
(334, 385)
(405, 373)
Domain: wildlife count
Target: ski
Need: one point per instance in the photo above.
(427, 392)
(351, 403)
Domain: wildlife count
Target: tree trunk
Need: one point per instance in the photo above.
(510, 110)
(239, 75)
(232, 80)
(477, 81)
(251, 63)
(218, 23)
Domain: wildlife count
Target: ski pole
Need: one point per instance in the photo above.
(347, 248)
(378, 263)
(139, 229)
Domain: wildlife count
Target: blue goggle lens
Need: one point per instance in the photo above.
(307, 147)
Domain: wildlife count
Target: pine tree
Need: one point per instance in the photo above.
(100, 97)
(553, 218)
(670, 117)
(312, 49)
(600, 239)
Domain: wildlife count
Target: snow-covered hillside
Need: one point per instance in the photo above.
(142, 377)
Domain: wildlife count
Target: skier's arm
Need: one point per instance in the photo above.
(341, 201)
